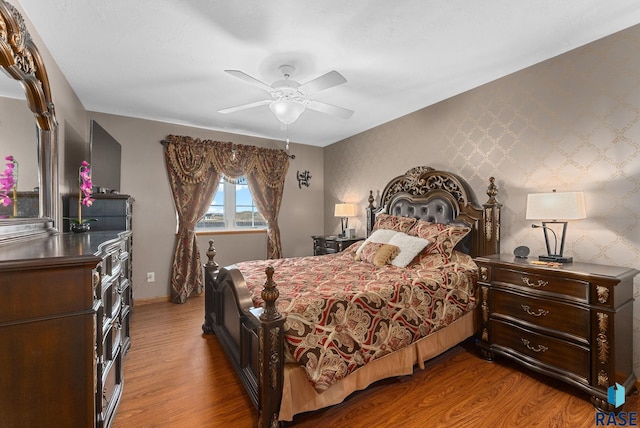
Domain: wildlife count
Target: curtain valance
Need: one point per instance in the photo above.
(192, 159)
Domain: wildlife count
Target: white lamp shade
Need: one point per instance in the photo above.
(345, 210)
(556, 206)
(287, 111)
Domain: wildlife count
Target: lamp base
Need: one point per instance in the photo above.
(556, 259)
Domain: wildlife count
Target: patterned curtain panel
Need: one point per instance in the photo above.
(193, 181)
(194, 167)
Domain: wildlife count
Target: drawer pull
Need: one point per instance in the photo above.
(539, 348)
(540, 313)
(540, 283)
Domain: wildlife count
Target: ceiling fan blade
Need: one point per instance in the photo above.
(330, 109)
(252, 80)
(326, 81)
(245, 106)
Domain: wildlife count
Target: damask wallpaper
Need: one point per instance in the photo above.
(570, 123)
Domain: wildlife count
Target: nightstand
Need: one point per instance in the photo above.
(331, 244)
(573, 322)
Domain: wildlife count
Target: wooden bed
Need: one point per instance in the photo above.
(254, 337)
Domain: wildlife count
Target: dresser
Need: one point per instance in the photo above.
(571, 322)
(64, 311)
(331, 244)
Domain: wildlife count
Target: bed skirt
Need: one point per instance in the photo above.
(298, 396)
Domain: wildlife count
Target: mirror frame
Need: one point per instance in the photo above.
(21, 60)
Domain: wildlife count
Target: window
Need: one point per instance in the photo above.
(232, 208)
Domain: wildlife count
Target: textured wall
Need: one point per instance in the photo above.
(569, 123)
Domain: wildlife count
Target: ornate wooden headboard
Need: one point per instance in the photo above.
(442, 197)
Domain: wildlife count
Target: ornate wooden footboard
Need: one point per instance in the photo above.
(253, 338)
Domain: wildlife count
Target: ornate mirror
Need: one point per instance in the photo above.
(20, 60)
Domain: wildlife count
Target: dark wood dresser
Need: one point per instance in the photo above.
(331, 244)
(572, 322)
(64, 317)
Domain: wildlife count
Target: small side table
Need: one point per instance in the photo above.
(329, 244)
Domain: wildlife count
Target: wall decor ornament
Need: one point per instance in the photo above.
(304, 179)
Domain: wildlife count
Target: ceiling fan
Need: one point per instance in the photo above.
(290, 98)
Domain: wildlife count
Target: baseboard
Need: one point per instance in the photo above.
(160, 299)
(139, 302)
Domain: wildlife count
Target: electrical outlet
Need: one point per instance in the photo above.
(151, 276)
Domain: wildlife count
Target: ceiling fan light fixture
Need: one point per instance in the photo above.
(287, 111)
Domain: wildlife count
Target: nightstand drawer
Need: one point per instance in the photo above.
(324, 250)
(331, 244)
(571, 359)
(558, 318)
(561, 287)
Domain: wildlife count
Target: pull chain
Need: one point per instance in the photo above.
(286, 147)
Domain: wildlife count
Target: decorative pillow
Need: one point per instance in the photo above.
(443, 237)
(379, 254)
(392, 222)
(380, 236)
(410, 246)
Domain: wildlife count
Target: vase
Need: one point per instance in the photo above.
(80, 227)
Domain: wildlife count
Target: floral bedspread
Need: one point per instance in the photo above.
(341, 313)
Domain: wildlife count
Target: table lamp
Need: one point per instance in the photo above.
(344, 211)
(555, 208)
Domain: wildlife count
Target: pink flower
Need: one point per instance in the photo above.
(84, 193)
(86, 185)
(8, 181)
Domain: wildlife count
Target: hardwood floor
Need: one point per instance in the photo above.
(177, 377)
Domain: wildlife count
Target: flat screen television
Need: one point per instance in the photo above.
(105, 160)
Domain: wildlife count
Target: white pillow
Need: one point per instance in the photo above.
(410, 247)
(380, 236)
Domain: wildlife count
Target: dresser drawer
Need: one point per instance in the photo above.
(112, 299)
(125, 292)
(112, 341)
(111, 388)
(558, 318)
(553, 353)
(116, 298)
(558, 286)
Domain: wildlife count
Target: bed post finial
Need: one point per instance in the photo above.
(270, 356)
(492, 190)
(491, 221)
(270, 294)
(371, 213)
(211, 253)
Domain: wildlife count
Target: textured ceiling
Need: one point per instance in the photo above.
(165, 60)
